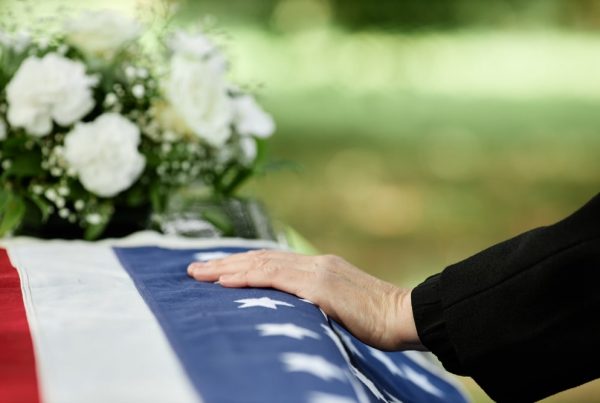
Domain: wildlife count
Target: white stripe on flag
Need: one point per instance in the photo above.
(94, 337)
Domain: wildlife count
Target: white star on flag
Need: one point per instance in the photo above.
(314, 365)
(320, 397)
(368, 383)
(387, 362)
(392, 399)
(348, 343)
(422, 381)
(357, 374)
(286, 329)
(206, 256)
(264, 302)
(406, 372)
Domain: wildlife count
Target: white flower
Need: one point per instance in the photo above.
(242, 151)
(196, 45)
(170, 122)
(105, 155)
(138, 91)
(251, 119)
(3, 129)
(197, 91)
(93, 218)
(16, 41)
(101, 33)
(46, 89)
(248, 150)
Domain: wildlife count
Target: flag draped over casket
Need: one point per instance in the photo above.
(122, 322)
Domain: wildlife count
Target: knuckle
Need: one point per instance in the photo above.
(215, 264)
(268, 269)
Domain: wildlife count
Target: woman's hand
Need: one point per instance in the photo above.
(378, 313)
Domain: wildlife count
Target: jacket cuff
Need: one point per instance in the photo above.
(428, 313)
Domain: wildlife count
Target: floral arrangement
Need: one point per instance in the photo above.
(92, 121)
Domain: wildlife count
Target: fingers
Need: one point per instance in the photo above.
(257, 254)
(373, 310)
(270, 269)
(267, 260)
(292, 281)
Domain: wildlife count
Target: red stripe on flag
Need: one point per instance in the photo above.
(18, 379)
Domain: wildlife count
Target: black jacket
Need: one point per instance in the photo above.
(522, 318)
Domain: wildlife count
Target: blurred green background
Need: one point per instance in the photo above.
(421, 132)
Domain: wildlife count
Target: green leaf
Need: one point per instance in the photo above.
(26, 165)
(4, 197)
(158, 197)
(93, 231)
(262, 151)
(238, 180)
(13, 213)
(42, 205)
(136, 196)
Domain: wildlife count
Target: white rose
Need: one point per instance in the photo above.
(197, 91)
(104, 154)
(168, 119)
(3, 129)
(101, 33)
(197, 45)
(251, 119)
(46, 89)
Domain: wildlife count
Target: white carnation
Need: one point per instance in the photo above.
(251, 119)
(197, 45)
(101, 33)
(104, 154)
(47, 89)
(197, 91)
(3, 129)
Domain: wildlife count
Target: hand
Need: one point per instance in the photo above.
(378, 313)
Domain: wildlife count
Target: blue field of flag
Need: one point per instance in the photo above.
(263, 345)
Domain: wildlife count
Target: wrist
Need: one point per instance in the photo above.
(405, 329)
(412, 342)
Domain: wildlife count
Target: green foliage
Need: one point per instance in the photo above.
(42, 205)
(12, 209)
(39, 180)
(95, 230)
(26, 164)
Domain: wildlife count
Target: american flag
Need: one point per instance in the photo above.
(122, 322)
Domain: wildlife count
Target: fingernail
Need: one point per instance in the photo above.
(193, 266)
(225, 277)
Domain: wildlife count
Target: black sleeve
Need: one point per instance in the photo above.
(521, 318)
